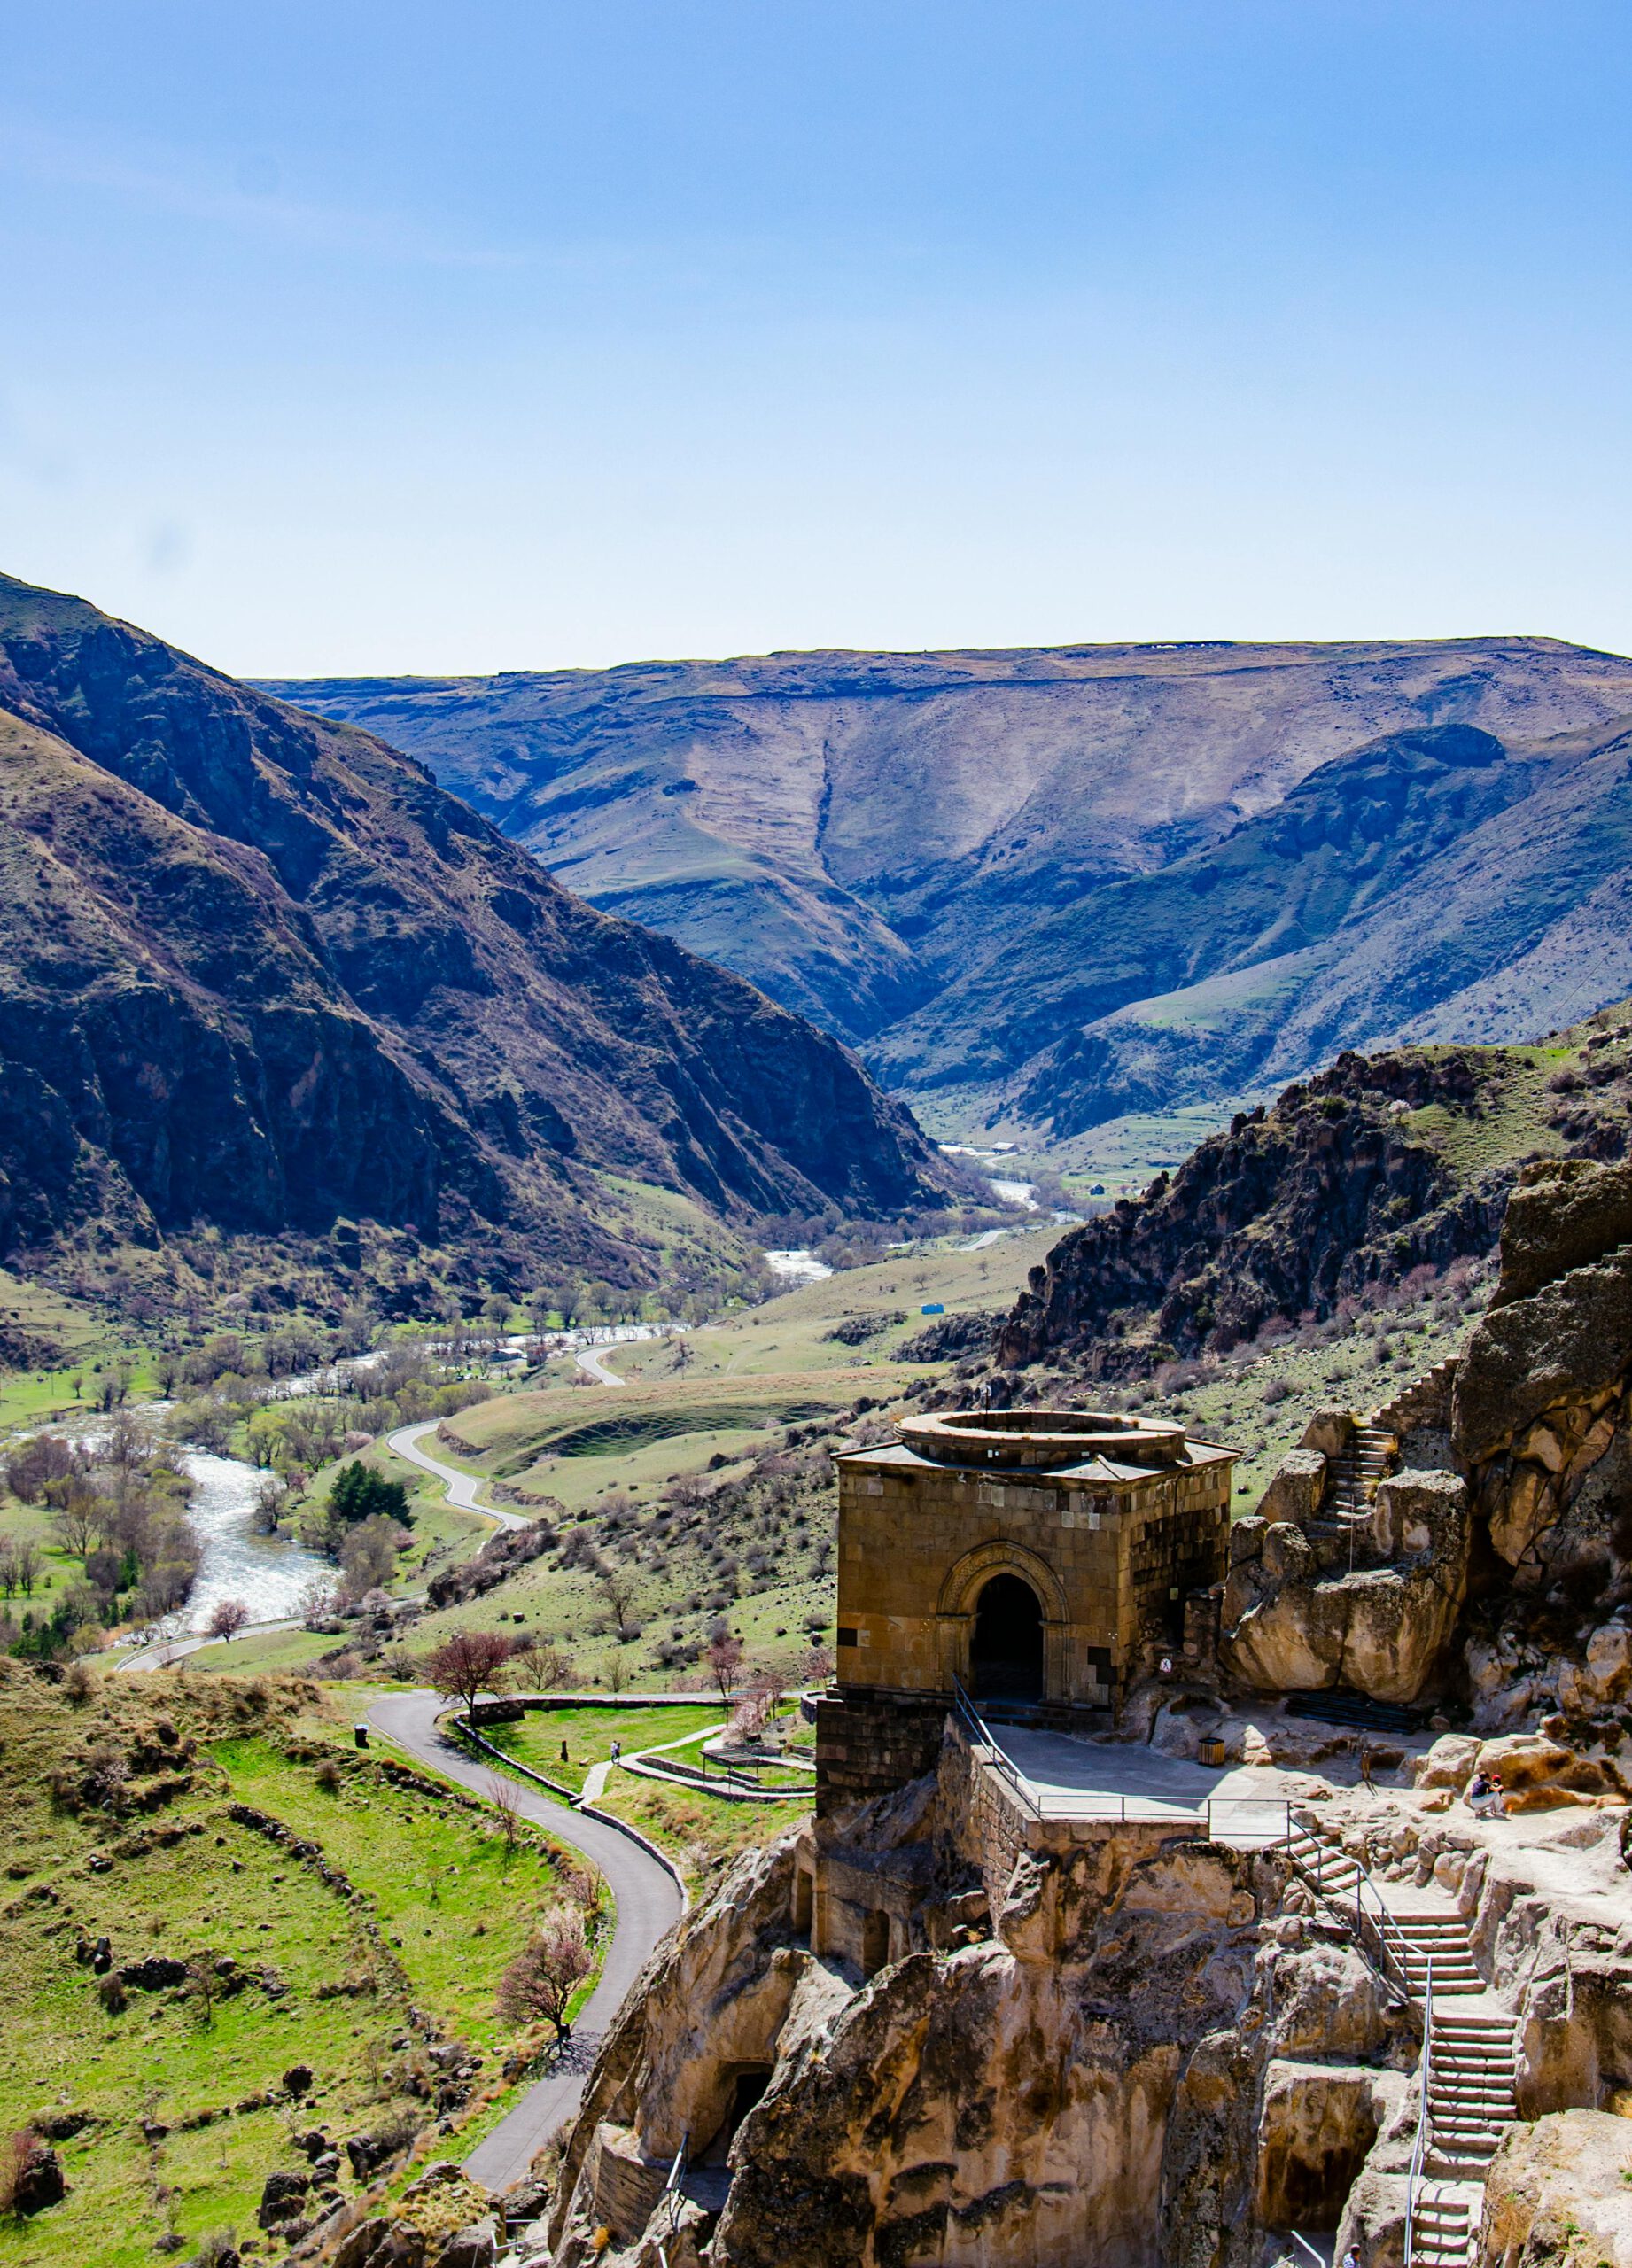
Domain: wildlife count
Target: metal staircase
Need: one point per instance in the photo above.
(1468, 2067)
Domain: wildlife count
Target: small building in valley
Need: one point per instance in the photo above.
(1032, 1558)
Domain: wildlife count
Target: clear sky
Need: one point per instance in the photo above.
(357, 337)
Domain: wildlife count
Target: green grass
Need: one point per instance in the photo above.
(437, 1913)
(588, 1735)
(703, 1834)
(1262, 1407)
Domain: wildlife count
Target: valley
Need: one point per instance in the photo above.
(1052, 891)
(432, 1385)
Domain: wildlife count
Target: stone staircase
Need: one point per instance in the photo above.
(1352, 1477)
(1424, 1401)
(1471, 2055)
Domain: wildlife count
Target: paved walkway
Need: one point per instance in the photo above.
(167, 1653)
(461, 1487)
(649, 1904)
(598, 1774)
(1073, 1778)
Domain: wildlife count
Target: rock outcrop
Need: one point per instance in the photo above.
(1381, 1629)
(1561, 2190)
(1333, 1188)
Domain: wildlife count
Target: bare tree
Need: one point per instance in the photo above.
(26, 1561)
(317, 1600)
(467, 1664)
(548, 1970)
(80, 1521)
(501, 1796)
(201, 1987)
(228, 1618)
(546, 1667)
(619, 1584)
(724, 1662)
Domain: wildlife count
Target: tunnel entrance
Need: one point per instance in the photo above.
(748, 2083)
(1005, 1654)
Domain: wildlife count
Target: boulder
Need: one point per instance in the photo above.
(1564, 1213)
(1560, 2189)
(39, 2183)
(1295, 1491)
(474, 2246)
(1287, 1556)
(1382, 1630)
(1605, 1674)
(1522, 1759)
(282, 2198)
(1449, 1763)
(358, 2245)
(1329, 1433)
(1573, 1338)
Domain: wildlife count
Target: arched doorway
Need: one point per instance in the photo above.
(1005, 1651)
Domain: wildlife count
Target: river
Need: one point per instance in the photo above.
(267, 1573)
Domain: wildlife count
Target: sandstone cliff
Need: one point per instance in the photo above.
(1114, 2051)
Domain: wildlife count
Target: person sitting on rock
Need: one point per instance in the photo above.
(1484, 1797)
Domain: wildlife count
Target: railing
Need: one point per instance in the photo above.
(1413, 2180)
(1375, 1929)
(670, 2191)
(1266, 1819)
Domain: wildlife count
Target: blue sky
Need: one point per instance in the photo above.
(353, 337)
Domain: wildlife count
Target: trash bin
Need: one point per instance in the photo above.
(359, 1733)
(1211, 1751)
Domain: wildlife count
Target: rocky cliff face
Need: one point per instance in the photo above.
(1503, 1580)
(1087, 877)
(259, 970)
(1380, 1165)
(1115, 2051)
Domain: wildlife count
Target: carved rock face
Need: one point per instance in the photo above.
(1383, 1630)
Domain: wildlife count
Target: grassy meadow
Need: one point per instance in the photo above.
(171, 2108)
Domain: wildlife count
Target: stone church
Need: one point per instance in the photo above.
(1035, 1559)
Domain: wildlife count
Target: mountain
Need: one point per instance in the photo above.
(1375, 1167)
(1041, 888)
(260, 971)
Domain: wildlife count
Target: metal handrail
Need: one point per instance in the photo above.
(1107, 1807)
(667, 2198)
(1419, 2150)
(1392, 1947)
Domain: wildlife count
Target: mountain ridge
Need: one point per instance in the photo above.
(261, 970)
(897, 844)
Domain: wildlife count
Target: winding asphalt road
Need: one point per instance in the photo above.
(593, 1367)
(648, 1903)
(461, 1487)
